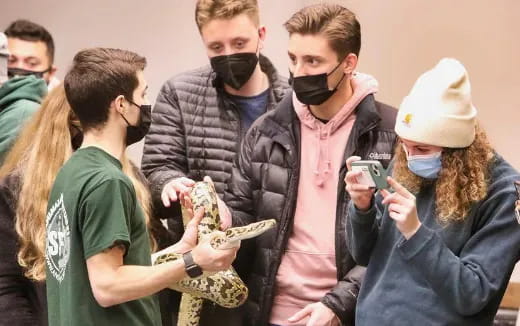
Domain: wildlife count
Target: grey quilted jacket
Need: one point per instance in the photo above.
(196, 129)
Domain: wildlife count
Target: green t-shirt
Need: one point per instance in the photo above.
(93, 206)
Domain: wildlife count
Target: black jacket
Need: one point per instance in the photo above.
(196, 131)
(264, 184)
(22, 301)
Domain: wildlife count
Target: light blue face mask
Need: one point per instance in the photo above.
(426, 166)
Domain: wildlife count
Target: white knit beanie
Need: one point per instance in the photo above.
(438, 111)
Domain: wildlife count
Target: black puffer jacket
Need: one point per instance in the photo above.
(264, 185)
(196, 129)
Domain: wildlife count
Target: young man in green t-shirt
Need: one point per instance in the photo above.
(98, 249)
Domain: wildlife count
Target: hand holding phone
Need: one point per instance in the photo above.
(373, 174)
(361, 195)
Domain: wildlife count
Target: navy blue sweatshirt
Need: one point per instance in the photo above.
(453, 274)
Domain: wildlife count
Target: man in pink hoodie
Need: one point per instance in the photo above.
(291, 167)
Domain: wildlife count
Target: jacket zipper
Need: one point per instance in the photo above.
(291, 204)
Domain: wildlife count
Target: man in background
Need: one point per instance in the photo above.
(20, 97)
(31, 48)
(201, 116)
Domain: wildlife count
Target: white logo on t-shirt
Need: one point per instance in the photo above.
(58, 240)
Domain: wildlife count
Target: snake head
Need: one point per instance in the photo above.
(203, 195)
(210, 185)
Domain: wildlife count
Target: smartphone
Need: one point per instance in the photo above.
(374, 174)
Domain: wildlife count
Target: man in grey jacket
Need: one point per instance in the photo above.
(201, 116)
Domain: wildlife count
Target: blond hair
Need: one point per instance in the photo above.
(42, 148)
(207, 10)
(462, 182)
(338, 24)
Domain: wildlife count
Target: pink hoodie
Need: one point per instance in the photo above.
(308, 268)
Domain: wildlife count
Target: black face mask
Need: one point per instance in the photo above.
(136, 133)
(15, 72)
(235, 69)
(313, 89)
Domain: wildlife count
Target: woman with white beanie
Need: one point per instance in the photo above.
(442, 243)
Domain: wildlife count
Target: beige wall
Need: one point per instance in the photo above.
(401, 39)
(162, 30)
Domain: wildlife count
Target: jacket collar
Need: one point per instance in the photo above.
(367, 113)
(283, 118)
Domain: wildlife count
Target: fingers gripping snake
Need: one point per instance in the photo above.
(224, 288)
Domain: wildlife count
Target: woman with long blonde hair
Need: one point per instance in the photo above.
(26, 178)
(442, 244)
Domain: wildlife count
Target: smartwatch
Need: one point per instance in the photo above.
(193, 270)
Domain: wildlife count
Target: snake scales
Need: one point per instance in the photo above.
(224, 288)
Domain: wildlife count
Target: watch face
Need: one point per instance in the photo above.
(194, 271)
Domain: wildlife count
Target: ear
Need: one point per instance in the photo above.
(261, 33)
(52, 72)
(118, 104)
(350, 63)
(49, 75)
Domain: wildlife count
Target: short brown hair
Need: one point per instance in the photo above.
(207, 10)
(97, 77)
(338, 24)
(28, 31)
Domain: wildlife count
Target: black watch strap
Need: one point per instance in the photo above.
(192, 269)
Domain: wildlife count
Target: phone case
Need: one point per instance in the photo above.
(374, 174)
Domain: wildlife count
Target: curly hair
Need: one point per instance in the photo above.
(463, 179)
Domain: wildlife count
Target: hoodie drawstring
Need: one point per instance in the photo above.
(320, 178)
(318, 143)
(327, 149)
